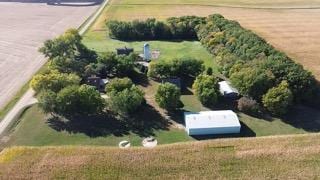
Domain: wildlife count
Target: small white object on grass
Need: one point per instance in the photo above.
(124, 144)
(149, 142)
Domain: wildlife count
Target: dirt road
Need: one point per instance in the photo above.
(23, 28)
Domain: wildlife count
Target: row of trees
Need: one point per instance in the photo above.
(254, 67)
(183, 67)
(151, 29)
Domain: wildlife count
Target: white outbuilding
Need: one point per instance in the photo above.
(212, 122)
(227, 90)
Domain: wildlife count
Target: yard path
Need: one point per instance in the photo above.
(28, 98)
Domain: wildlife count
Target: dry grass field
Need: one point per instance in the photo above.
(291, 26)
(285, 157)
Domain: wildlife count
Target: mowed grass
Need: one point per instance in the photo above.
(98, 41)
(287, 157)
(34, 130)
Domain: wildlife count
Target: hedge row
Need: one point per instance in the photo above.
(151, 29)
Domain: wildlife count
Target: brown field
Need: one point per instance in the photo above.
(284, 157)
(292, 28)
(24, 26)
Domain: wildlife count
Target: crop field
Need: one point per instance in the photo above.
(24, 26)
(284, 157)
(291, 26)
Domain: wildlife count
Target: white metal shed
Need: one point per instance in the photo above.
(212, 122)
(227, 90)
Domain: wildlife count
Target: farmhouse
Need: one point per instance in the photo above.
(211, 122)
(227, 90)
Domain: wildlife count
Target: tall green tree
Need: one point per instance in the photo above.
(278, 99)
(79, 100)
(207, 89)
(168, 96)
(53, 81)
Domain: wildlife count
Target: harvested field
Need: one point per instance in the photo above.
(294, 29)
(24, 27)
(284, 157)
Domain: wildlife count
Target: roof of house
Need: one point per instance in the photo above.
(211, 119)
(226, 88)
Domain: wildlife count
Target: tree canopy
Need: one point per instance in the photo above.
(168, 96)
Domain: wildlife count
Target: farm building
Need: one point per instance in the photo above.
(227, 90)
(124, 51)
(175, 80)
(97, 82)
(212, 122)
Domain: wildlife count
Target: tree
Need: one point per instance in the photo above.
(83, 100)
(207, 90)
(67, 53)
(53, 81)
(124, 96)
(118, 85)
(168, 96)
(126, 101)
(47, 101)
(252, 82)
(278, 99)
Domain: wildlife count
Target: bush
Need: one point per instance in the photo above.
(168, 96)
(278, 99)
(248, 105)
(118, 85)
(124, 96)
(207, 89)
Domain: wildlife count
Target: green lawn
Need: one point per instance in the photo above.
(33, 130)
(98, 41)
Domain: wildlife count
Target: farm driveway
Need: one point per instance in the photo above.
(23, 28)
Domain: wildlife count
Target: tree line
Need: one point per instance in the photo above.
(151, 29)
(255, 67)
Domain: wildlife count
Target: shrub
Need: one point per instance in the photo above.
(278, 99)
(248, 105)
(168, 96)
(118, 84)
(207, 90)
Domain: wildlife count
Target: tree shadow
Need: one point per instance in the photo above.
(303, 117)
(245, 131)
(139, 79)
(143, 123)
